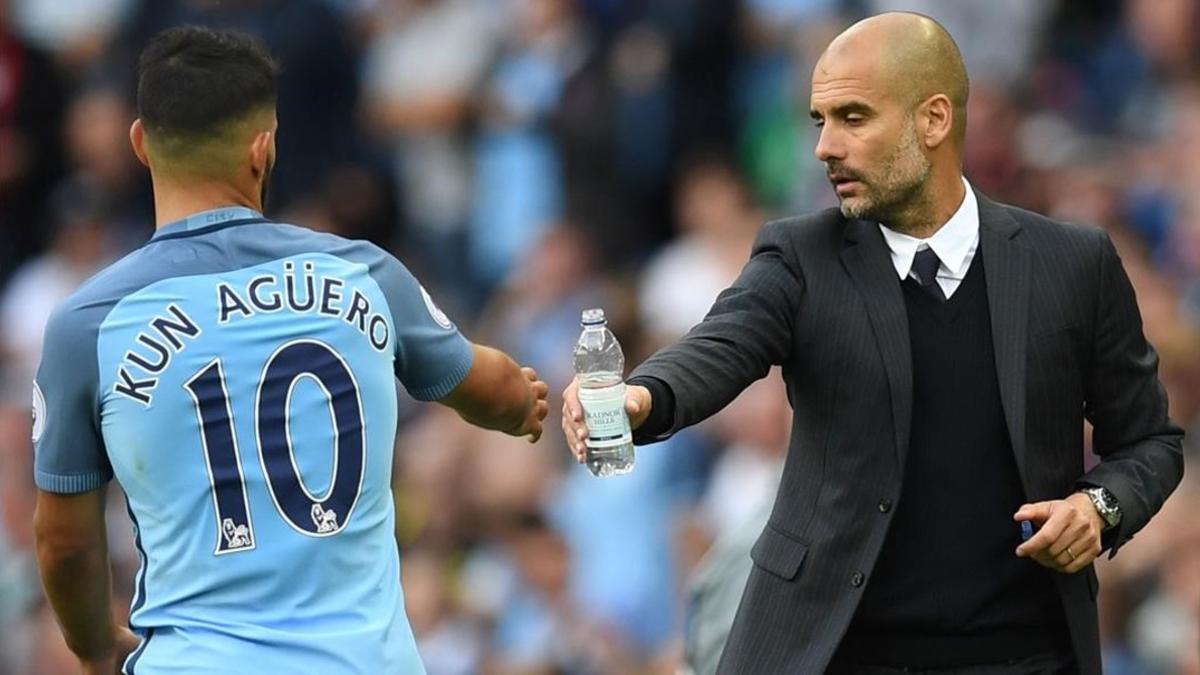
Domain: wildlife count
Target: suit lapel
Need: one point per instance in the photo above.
(1007, 266)
(867, 260)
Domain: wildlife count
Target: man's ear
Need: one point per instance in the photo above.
(937, 116)
(260, 152)
(137, 138)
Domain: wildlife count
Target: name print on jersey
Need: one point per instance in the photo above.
(169, 332)
(163, 329)
(265, 293)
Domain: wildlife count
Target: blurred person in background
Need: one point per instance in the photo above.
(421, 74)
(1166, 628)
(997, 57)
(539, 629)
(630, 547)
(31, 105)
(189, 311)
(734, 510)
(77, 37)
(880, 305)
(518, 163)
(79, 246)
(1157, 607)
(18, 572)
(666, 95)
(96, 132)
(450, 643)
(780, 40)
(1116, 63)
(717, 224)
(536, 310)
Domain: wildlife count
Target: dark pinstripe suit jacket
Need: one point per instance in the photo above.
(820, 297)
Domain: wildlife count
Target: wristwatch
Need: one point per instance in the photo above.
(1106, 505)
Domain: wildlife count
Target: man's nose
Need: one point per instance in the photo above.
(829, 146)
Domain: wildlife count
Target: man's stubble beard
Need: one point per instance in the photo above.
(902, 180)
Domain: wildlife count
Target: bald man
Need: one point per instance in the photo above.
(941, 352)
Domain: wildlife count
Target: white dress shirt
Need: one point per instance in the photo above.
(954, 243)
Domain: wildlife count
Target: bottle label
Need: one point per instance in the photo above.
(604, 412)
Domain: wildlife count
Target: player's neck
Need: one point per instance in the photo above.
(173, 201)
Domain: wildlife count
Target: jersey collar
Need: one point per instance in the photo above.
(206, 219)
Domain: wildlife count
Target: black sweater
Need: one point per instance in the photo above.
(948, 588)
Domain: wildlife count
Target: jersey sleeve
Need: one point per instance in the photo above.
(432, 356)
(69, 453)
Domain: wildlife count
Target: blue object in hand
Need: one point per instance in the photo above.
(1026, 530)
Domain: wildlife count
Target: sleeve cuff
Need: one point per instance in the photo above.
(659, 423)
(71, 484)
(457, 374)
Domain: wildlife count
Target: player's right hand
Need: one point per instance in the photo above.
(637, 406)
(532, 424)
(125, 642)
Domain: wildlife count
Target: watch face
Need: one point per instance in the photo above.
(1106, 505)
(1109, 500)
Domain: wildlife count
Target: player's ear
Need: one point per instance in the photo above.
(261, 150)
(137, 138)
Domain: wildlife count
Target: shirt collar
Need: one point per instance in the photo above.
(218, 216)
(954, 243)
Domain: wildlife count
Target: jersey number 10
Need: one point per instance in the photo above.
(309, 514)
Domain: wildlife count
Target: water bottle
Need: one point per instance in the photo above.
(599, 367)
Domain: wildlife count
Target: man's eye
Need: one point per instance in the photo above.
(818, 123)
(855, 120)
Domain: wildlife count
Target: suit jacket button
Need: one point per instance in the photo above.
(857, 579)
(885, 505)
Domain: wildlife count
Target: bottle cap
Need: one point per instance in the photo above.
(593, 317)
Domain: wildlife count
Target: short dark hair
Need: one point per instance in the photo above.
(194, 80)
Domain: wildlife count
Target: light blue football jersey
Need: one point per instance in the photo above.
(238, 378)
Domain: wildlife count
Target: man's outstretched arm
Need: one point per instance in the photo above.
(72, 553)
(498, 394)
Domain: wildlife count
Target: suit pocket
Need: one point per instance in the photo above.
(778, 553)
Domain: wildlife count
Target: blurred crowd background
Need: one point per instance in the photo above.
(528, 159)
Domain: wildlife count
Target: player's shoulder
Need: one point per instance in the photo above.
(392, 276)
(297, 239)
(82, 312)
(1059, 237)
(74, 324)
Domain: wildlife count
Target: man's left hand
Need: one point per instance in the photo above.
(1068, 536)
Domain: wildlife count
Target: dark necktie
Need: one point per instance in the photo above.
(925, 266)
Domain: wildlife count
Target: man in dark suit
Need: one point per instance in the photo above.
(941, 352)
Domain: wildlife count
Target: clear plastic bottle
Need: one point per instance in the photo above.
(600, 366)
